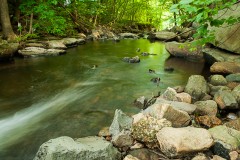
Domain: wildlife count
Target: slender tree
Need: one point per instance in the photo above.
(5, 21)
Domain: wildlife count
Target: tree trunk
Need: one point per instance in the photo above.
(5, 21)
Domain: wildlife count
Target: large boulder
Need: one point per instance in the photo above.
(227, 36)
(225, 67)
(56, 44)
(69, 42)
(178, 118)
(216, 55)
(184, 50)
(121, 121)
(197, 87)
(65, 148)
(7, 51)
(182, 141)
(37, 51)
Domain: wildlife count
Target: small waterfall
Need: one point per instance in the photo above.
(23, 122)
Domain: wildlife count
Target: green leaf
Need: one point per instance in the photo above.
(185, 1)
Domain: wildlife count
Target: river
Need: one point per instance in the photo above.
(47, 97)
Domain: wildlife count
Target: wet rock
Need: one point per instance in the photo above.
(7, 51)
(208, 121)
(226, 139)
(145, 130)
(197, 87)
(182, 141)
(235, 124)
(120, 122)
(233, 77)
(225, 67)
(184, 50)
(177, 117)
(164, 35)
(218, 80)
(135, 59)
(123, 139)
(156, 80)
(208, 107)
(130, 157)
(183, 106)
(129, 35)
(66, 148)
(140, 102)
(168, 69)
(145, 54)
(225, 100)
(36, 51)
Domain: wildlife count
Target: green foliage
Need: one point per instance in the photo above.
(27, 36)
(204, 13)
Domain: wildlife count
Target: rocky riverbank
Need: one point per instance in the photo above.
(196, 121)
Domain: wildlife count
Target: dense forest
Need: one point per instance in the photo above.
(68, 17)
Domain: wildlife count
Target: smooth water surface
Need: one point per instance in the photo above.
(47, 97)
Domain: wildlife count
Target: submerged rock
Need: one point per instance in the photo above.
(89, 148)
(135, 59)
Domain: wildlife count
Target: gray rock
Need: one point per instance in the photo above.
(177, 117)
(182, 141)
(225, 100)
(123, 139)
(65, 148)
(36, 51)
(186, 107)
(170, 94)
(184, 50)
(56, 44)
(140, 102)
(226, 139)
(234, 124)
(120, 122)
(165, 35)
(186, 33)
(197, 87)
(218, 80)
(215, 55)
(129, 35)
(184, 97)
(208, 107)
(73, 41)
(233, 77)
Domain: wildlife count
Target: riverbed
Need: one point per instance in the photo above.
(76, 94)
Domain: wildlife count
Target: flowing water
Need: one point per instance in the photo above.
(47, 97)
